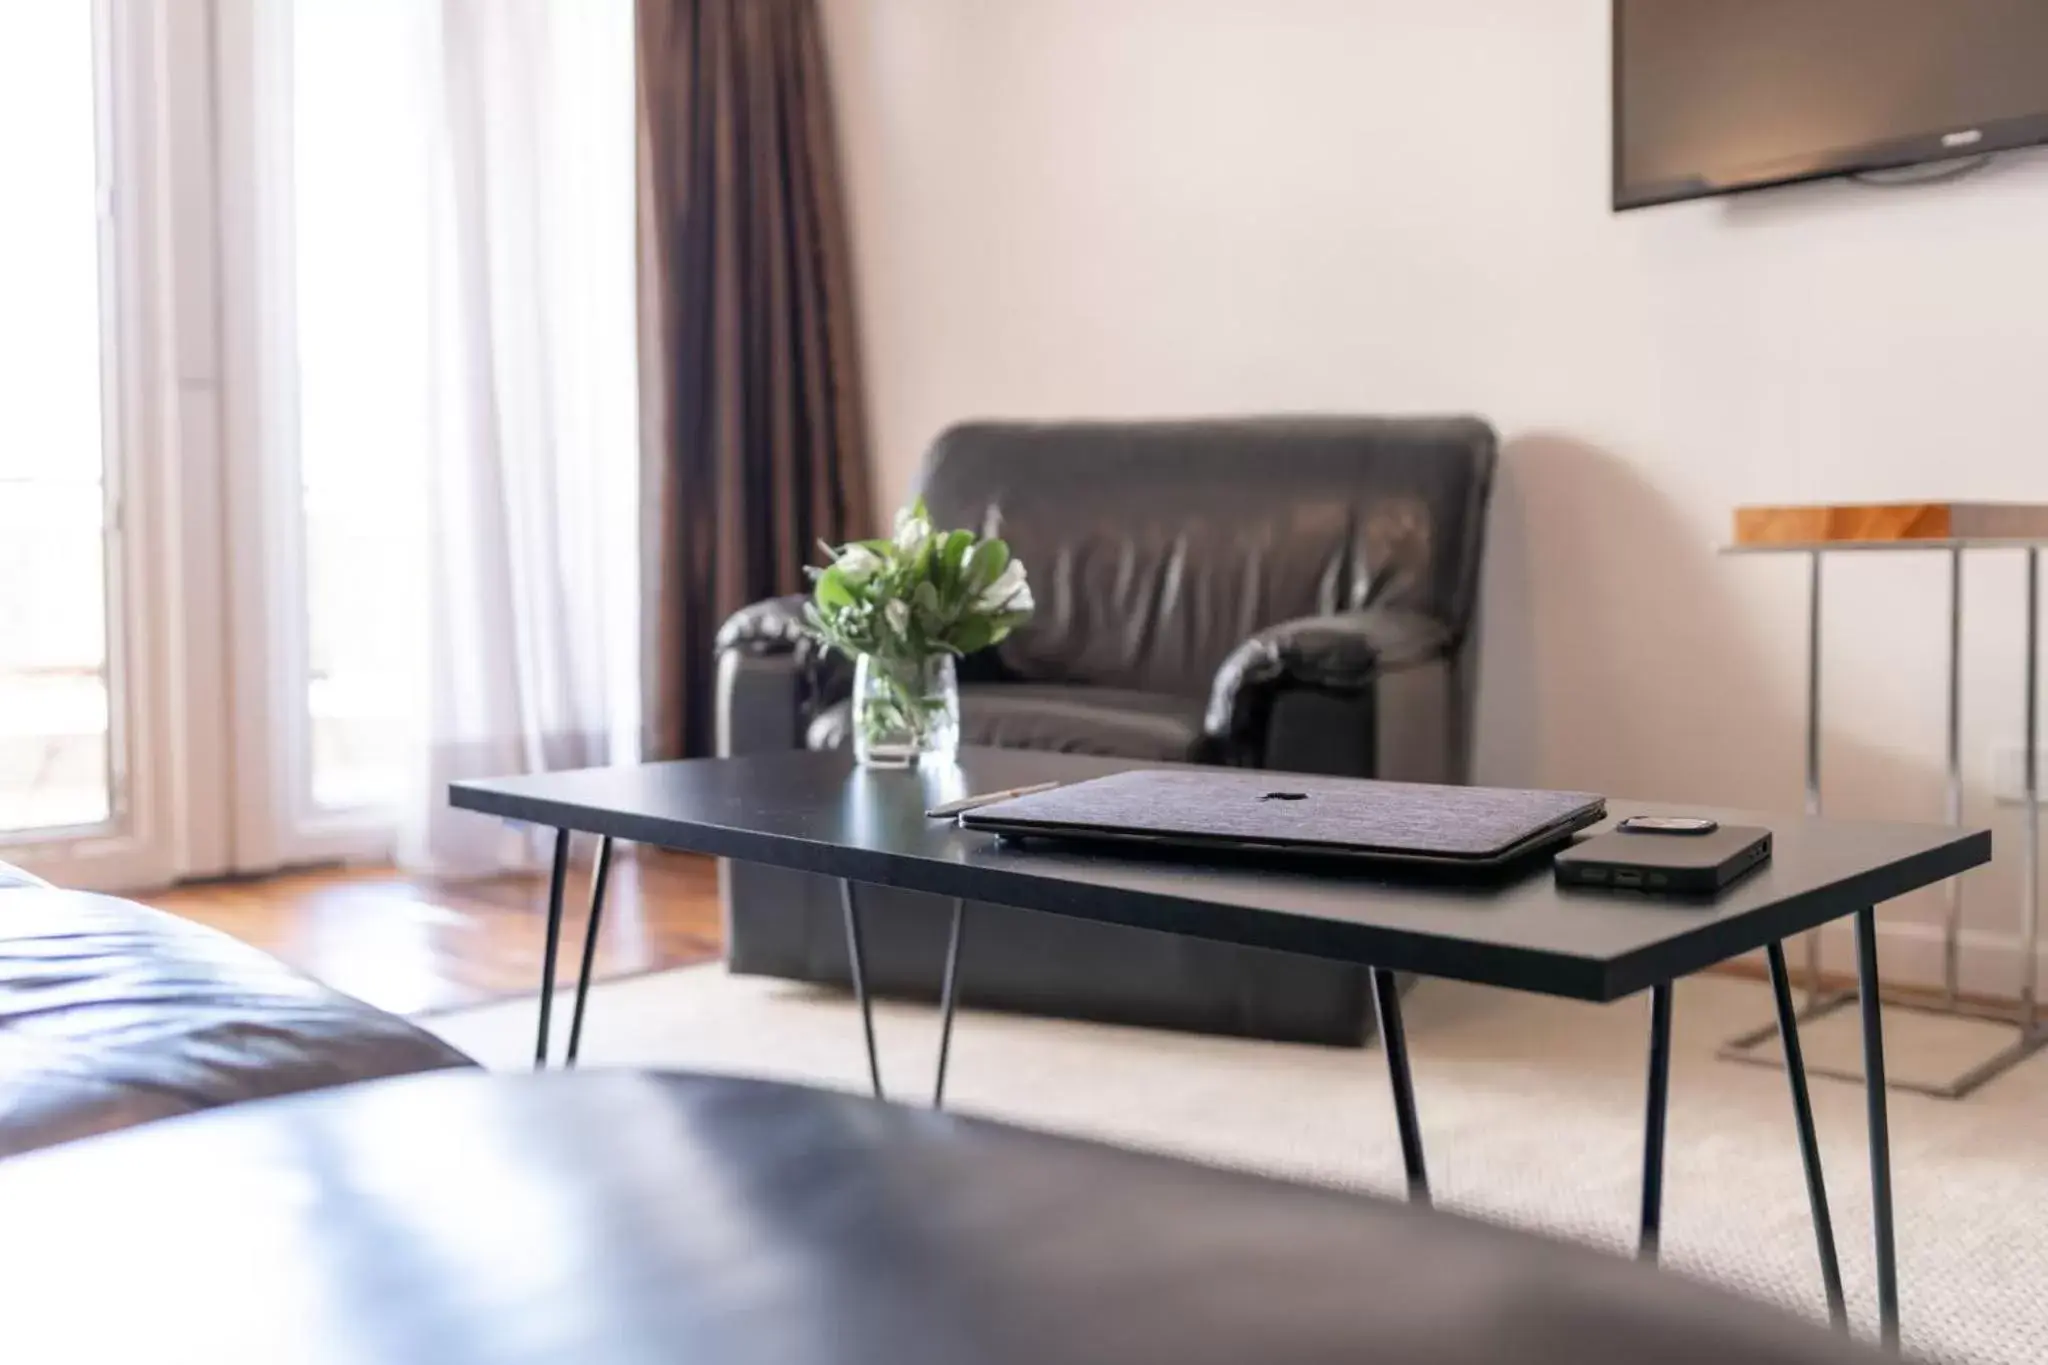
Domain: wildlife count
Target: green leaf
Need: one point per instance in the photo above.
(1003, 623)
(973, 634)
(991, 557)
(833, 590)
(959, 544)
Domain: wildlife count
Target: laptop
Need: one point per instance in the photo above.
(1243, 809)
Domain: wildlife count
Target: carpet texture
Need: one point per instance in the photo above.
(1531, 1111)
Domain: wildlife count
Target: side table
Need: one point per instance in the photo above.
(1816, 530)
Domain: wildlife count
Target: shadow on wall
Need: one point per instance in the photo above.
(1612, 643)
(1615, 655)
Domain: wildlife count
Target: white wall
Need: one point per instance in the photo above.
(1123, 207)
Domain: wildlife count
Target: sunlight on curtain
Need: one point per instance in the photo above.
(362, 226)
(467, 396)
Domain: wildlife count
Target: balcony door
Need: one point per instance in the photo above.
(87, 575)
(218, 260)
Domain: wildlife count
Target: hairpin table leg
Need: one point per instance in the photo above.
(857, 966)
(557, 875)
(1655, 1105)
(598, 880)
(1386, 999)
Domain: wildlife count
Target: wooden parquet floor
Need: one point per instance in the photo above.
(417, 945)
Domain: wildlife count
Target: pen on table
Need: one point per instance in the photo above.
(966, 803)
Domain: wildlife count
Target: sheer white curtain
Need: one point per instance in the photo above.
(530, 565)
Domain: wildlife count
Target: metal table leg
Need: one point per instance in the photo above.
(1813, 731)
(1952, 803)
(2030, 910)
(2026, 1019)
(556, 877)
(948, 996)
(1386, 999)
(599, 877)
(1880, 1128)
(1809, 1141)
(1658, 1097)
(857, 966)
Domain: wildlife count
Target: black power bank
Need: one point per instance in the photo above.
(1664, 864)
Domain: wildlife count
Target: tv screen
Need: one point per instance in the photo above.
(1714, 96)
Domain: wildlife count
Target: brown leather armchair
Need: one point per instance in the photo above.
(1288, 593)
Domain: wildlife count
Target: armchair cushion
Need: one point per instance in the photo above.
(1110, 721)
(1343, 653)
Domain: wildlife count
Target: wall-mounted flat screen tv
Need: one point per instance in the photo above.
(1715, 96)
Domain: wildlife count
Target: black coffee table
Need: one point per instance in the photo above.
(817, 813)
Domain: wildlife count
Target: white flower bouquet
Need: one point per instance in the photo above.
(903, 609)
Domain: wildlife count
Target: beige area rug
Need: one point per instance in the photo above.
(1531, 1109)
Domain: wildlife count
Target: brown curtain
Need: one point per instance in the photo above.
(753, 429)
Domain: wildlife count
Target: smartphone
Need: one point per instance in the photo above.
(1664, 863)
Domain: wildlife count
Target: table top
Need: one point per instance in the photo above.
(817, 812)
(1815, 527)
(615, 1218)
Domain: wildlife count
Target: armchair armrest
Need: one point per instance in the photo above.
(772, 677)
(1339, 656)
(775, 625)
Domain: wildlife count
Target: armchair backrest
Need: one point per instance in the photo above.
(1155, 548)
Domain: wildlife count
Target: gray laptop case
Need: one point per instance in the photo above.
(1352, 817)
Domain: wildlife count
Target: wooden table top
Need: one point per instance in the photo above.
(1889, 525)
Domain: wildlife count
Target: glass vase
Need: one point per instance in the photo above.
(905, 711)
